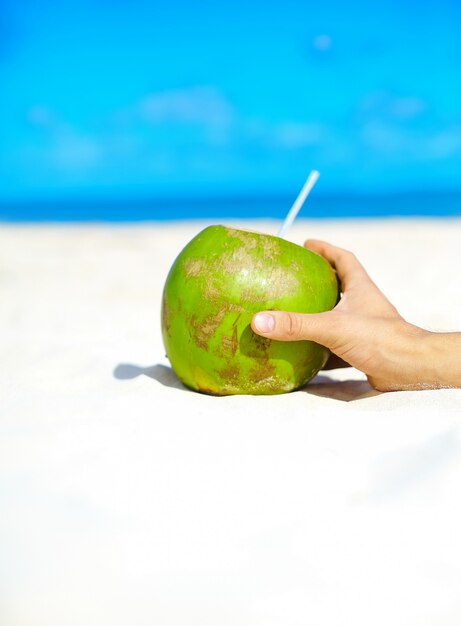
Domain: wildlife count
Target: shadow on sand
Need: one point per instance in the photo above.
(161, 373)
(321, 385)
(342, 390)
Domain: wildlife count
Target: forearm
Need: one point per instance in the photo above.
(409, 358)
(442, 364)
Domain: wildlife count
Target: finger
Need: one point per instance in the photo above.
(352, 274)
(349, 269)
(283, 326)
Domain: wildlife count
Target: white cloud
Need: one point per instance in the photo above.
(446, 143)
(383, 137)
(405, 145)
(72, 150)
(386, 128)
(322, 42)
(387, 105)
(207, 110)
(407, 108)
(62, 145)
(292, 135)
(41, 116)
(204, 105)
(179, 133)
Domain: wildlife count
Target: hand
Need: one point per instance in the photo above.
(364, 330)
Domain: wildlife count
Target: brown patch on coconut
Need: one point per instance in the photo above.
(203, 330)
(193, 267)
(263, 371)
(230, 373)
(209, 392)
(271, 247)
(258, 347)
(244, 236)
(230, 344)
(166, 314)
(210, 291)
(282, 283)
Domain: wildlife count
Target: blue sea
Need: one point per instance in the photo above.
(410, 204)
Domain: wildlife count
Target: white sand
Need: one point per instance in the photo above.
(125, 499)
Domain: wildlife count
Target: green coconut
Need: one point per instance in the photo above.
(215, 286)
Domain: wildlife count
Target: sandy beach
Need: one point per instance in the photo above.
(127, 499)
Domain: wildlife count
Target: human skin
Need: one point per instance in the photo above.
(366, 331)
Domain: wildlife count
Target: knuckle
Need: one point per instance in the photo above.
(292, 325)
(345, 258)
(347, 254)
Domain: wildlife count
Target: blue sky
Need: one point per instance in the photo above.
(115, 98)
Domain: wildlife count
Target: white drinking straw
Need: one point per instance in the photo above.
(297, 204)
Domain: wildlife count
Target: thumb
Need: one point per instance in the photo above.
(283, 326)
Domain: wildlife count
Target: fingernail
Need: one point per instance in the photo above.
(264, 322)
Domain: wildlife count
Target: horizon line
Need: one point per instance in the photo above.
(225, 196)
